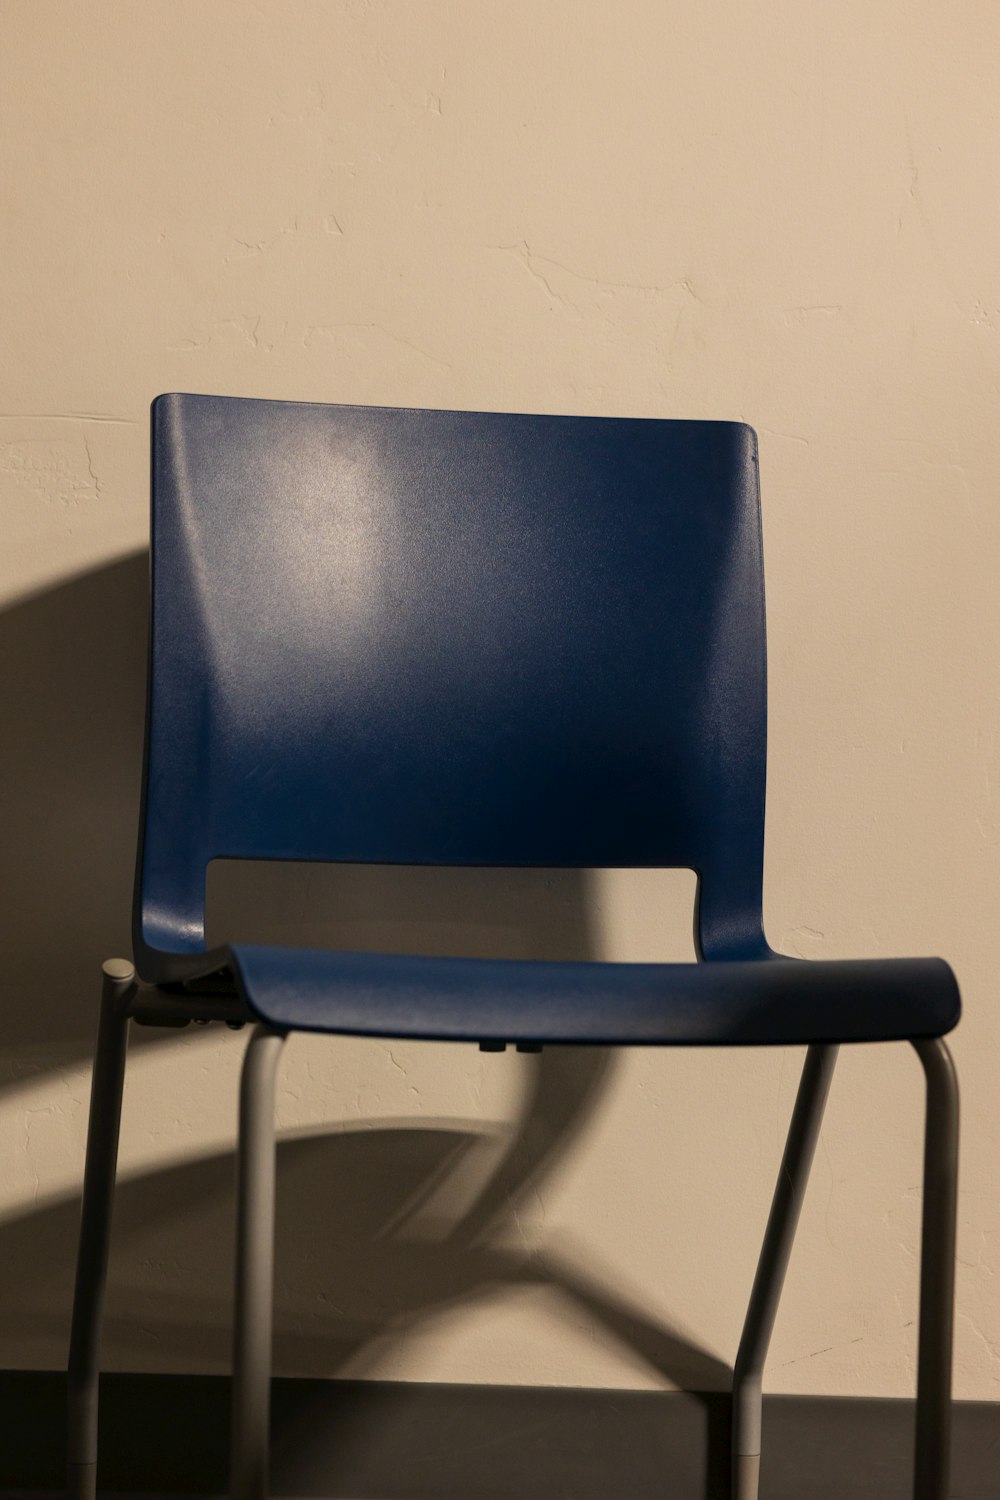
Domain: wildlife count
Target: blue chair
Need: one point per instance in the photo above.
(455, 638)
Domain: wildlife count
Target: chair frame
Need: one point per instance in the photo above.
(125, 998)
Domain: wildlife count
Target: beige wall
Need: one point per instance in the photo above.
(780, 213)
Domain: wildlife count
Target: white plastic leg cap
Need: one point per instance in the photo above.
(746, 1476)
(118, 969)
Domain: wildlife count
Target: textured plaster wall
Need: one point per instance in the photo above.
(780, 213)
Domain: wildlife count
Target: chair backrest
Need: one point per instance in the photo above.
(443, 637)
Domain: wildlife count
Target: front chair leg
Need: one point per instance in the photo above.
(789, 1191)
(95, 1228)
(254, 1267)
(937, 1274)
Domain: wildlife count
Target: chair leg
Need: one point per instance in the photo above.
(772, 1265)
(254, 1268)
(937, 1274)
(95, 1228)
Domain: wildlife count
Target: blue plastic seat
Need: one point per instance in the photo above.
(476, 639)
(517, 1000)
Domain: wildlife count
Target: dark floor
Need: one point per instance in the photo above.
(380, 1441)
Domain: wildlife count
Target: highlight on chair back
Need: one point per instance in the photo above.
(457, 638)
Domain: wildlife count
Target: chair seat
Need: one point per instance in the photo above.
(776, 1000)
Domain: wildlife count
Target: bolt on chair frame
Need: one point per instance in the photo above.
(557, 624)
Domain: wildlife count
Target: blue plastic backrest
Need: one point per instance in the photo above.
(452, 638)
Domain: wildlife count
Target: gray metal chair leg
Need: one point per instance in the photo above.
(254, 1268)
(95, 1228)
(937, 1274)
(772, 1265)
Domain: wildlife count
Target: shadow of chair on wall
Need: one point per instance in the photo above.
(380, 1228)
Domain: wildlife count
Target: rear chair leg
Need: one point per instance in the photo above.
(803, 1132)
(937, 1274)
(254, 1267)
(95, 1227)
